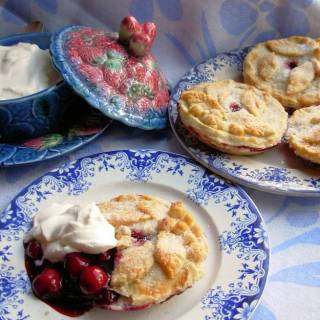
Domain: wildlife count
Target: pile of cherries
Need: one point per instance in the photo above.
(81, 278)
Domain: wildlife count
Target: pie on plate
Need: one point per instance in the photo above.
(233, 117)
(159, 253)
(288, 68)
(304, 133)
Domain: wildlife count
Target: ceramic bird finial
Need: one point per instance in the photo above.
(138, 38)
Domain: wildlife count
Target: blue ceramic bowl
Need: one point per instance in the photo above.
(37, 114)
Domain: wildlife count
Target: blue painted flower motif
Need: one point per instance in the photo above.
(245, 311)
(143, 154)
(273, 174)
(261, 236)
(313, 182)
(66, 168)
(12, 285)
(6, 216)
(5, 253)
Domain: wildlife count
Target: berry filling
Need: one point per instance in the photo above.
(234, 107)
(291, 64)
(72, 286)
(75, 263)
(34, 250)
(206, 140)
(140, 237)
(93, 279)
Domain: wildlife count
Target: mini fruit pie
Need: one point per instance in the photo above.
(159, 253)
(289, 69)
(233, 117)
(304, 133)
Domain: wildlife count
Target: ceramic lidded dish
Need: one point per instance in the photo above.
(115, 72)
(39, 113)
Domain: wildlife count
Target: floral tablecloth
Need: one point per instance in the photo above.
(191, 31)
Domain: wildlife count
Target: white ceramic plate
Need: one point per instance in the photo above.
(276, 171)
(238, 260)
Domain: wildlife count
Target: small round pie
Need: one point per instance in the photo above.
(233, 117)
(289, 69)
(304, 133)
(160, 249)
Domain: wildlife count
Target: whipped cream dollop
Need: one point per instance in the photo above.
(25, 69)
(65, 228)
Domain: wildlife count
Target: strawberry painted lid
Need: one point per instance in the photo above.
(115, 72)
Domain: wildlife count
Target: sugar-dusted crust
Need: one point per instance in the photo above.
(169, 258)
(233, 117)
(289, 69)
(304, 133)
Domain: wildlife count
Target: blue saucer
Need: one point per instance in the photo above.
(80, 127)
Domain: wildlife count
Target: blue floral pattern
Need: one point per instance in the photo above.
(242, 170)
(242, 237)
(74, 138)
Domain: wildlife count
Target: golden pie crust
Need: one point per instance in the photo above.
(304, 133)
(169, 259)
(233, 117)
(288, 68)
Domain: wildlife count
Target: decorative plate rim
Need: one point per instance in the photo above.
(250, 211)
(42, 155)
(129, 119)
(262, 185)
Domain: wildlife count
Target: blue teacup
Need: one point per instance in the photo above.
(39, 113)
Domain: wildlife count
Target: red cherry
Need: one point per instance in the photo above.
(47, 283)
(34, 250)
(234, 107)
(93, 279)
(292, 64)
(105, 256)
(75, 263)
(108, 297)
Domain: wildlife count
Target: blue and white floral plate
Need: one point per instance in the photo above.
(235, 270)
(277, 170)
(79, 128)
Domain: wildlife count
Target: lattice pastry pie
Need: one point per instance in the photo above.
(160, 249)
(159, 253)
(304, 133)
(233, 117)
(289, 69)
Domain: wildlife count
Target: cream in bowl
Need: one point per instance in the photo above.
(25, 69)
(33, 98)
